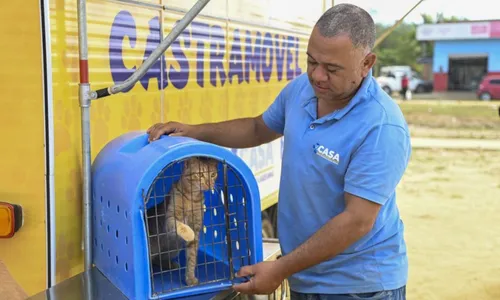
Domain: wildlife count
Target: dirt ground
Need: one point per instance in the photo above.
(450, 202)
(450, 205)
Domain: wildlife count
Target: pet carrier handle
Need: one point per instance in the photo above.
(283, 290)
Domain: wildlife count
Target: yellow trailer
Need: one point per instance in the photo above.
(231, 61)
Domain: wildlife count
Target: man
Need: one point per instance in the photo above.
(404, 87)
(346, 148)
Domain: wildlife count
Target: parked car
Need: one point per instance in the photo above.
(424, 86)
(489, 88)
(390, 80)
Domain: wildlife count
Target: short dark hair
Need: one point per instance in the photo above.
(350, 20)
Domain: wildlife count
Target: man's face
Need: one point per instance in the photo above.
(335, 68)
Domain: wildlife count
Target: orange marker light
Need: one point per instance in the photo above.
(10, 219)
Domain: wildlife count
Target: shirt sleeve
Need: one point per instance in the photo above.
(378, 164)
(274, 116)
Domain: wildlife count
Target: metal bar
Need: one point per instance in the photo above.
(84, 89)
(141, 71)
(49, 146)
(89, 286)
(228, 225)
(283, 290)
(140, 4)
(162, 68)
(393, 27)
(270, 240)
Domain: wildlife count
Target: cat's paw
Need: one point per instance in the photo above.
(191, 280)
(185, 232)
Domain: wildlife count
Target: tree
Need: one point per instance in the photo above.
(401, 46)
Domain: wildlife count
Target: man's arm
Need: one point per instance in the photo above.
(334, 237)
(238, 133)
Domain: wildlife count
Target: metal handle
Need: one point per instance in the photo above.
(283, 290)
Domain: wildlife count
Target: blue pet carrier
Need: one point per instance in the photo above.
(130, 176)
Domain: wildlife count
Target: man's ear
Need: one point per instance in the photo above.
(369, 62)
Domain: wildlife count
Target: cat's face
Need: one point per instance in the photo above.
(199, 174)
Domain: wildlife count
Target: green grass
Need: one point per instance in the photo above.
(455, 119)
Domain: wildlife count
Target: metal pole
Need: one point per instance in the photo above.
(84, 94)
(139, 73)
(228, 225)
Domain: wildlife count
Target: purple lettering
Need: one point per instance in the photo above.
(201, 34)
(252, 58)
(258, 55)
(156, 69)
(279, 47)
(298, 70)
(179, 78)
(235, 59)
(217, 51)
(123, 25)
(267, 55)
(289, 57)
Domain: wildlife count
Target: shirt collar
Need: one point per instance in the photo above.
(310, 101)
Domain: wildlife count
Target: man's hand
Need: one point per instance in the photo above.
(172, 129)
(265, 278)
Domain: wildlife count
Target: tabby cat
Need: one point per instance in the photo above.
(180, 217)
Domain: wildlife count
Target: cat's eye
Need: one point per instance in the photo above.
(213, 175)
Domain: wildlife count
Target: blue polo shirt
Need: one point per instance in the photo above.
(362, 149)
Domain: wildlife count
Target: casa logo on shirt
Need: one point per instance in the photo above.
(326, 153)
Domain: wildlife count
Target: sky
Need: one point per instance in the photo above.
(395, 9)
